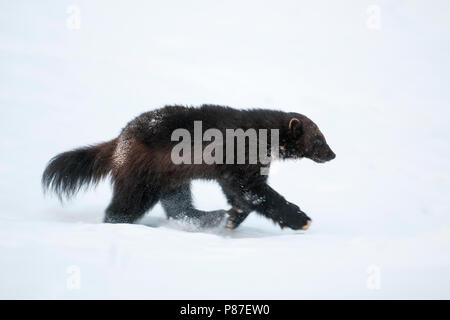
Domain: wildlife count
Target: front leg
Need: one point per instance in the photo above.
(266, 201)
(240, 208)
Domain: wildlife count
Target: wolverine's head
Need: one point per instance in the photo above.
(304, 140)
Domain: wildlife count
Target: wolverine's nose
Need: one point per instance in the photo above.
(332, 155)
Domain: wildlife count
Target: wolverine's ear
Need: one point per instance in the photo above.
(295, 127)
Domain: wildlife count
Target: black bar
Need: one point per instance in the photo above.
(230, 309)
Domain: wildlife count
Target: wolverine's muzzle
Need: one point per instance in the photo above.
(326, 154)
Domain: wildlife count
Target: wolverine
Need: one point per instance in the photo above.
(143, 173)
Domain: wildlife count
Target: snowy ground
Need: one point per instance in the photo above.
(381, 211)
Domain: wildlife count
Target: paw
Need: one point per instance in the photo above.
(296, 220)
(230, 225)
(235, 218)
(306, 226)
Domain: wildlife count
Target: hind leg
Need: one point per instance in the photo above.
(178, 205)
(130, 203)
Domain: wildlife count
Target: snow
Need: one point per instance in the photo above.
(380, 210)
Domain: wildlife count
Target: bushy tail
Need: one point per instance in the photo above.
(66, 173)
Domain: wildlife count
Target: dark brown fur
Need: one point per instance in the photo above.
(142, 171)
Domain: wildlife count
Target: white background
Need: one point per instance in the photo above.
(380, 94)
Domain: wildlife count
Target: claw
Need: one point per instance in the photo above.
(306, 226)
(229, 225)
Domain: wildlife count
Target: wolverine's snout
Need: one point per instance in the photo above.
(325, 155)
(330, 155)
